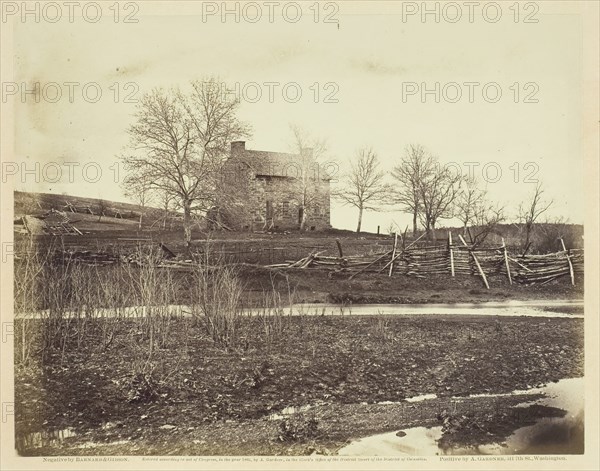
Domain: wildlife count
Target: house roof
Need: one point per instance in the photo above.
(280, 164)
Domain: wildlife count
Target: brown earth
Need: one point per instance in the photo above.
(318, 286)
(253, 250)
(191, 396)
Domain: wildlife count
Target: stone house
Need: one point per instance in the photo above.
(266, 190)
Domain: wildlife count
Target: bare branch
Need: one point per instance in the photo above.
(178, 144)
(363, 185)
(530, 211)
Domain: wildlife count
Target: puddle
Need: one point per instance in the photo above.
(505, 308)
(34, 440)
(286, 412)
(563, 435)
(552, 435)
(42, 439)
(423, 397)
(418, 441)
(87, 445)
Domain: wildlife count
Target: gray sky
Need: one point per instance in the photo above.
(369, 56)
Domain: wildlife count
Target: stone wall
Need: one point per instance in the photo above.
(282, 197)
(254, 196)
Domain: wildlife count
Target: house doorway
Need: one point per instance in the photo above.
(269, 216)
(269, 209)
(300, 214)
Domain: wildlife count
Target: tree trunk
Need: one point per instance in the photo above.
(187, 222)
(140, 223)
(166, 215)
(360, 213)
(433, 231)
(528, 229)
(415, 223)
(303, 217)
(465, 230)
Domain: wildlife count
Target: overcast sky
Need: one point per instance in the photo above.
(367, 59)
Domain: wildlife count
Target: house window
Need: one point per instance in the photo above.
(285, 208)
(317, 210)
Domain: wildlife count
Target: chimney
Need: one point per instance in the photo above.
(237, 148)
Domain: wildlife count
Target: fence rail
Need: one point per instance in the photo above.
(455, 260)
(416, 259)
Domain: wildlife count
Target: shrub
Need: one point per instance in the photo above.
(298, 428)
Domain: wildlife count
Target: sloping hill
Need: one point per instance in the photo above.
(88, 215)
(122, 219)
(37, 203)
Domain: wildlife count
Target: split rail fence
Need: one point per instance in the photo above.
(454, 259)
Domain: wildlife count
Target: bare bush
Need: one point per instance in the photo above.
(298, 428)
(217, 302)
(154, 288)
(531, 210)
(65, 302)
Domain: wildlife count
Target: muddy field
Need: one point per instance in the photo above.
(277, 385)
(315, 285)
(192, 396)
(250, 252)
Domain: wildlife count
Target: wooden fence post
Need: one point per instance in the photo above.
(399, 254)
(339, 246)
(393, 254)
(569, 260)
(451, 253)
(506, 261)
(476, 262)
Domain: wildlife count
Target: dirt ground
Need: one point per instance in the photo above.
(318, 286)
(251, 251)
(193, 397)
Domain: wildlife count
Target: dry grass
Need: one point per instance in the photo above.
(70, 298)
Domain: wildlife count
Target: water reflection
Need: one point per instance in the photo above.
(42, 439)
(542, 308)
(550, 435)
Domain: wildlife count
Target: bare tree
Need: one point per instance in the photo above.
(101, 207)
(438, 188)
(486, 217)
(30, 203)
(409, 174)
(531, 210)
(393, 228)
(552, 229)
(311, 152)
(479, 216)
(179, 142)
(363, 185)
(469, 199)
(166, 200)
(139, 188)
